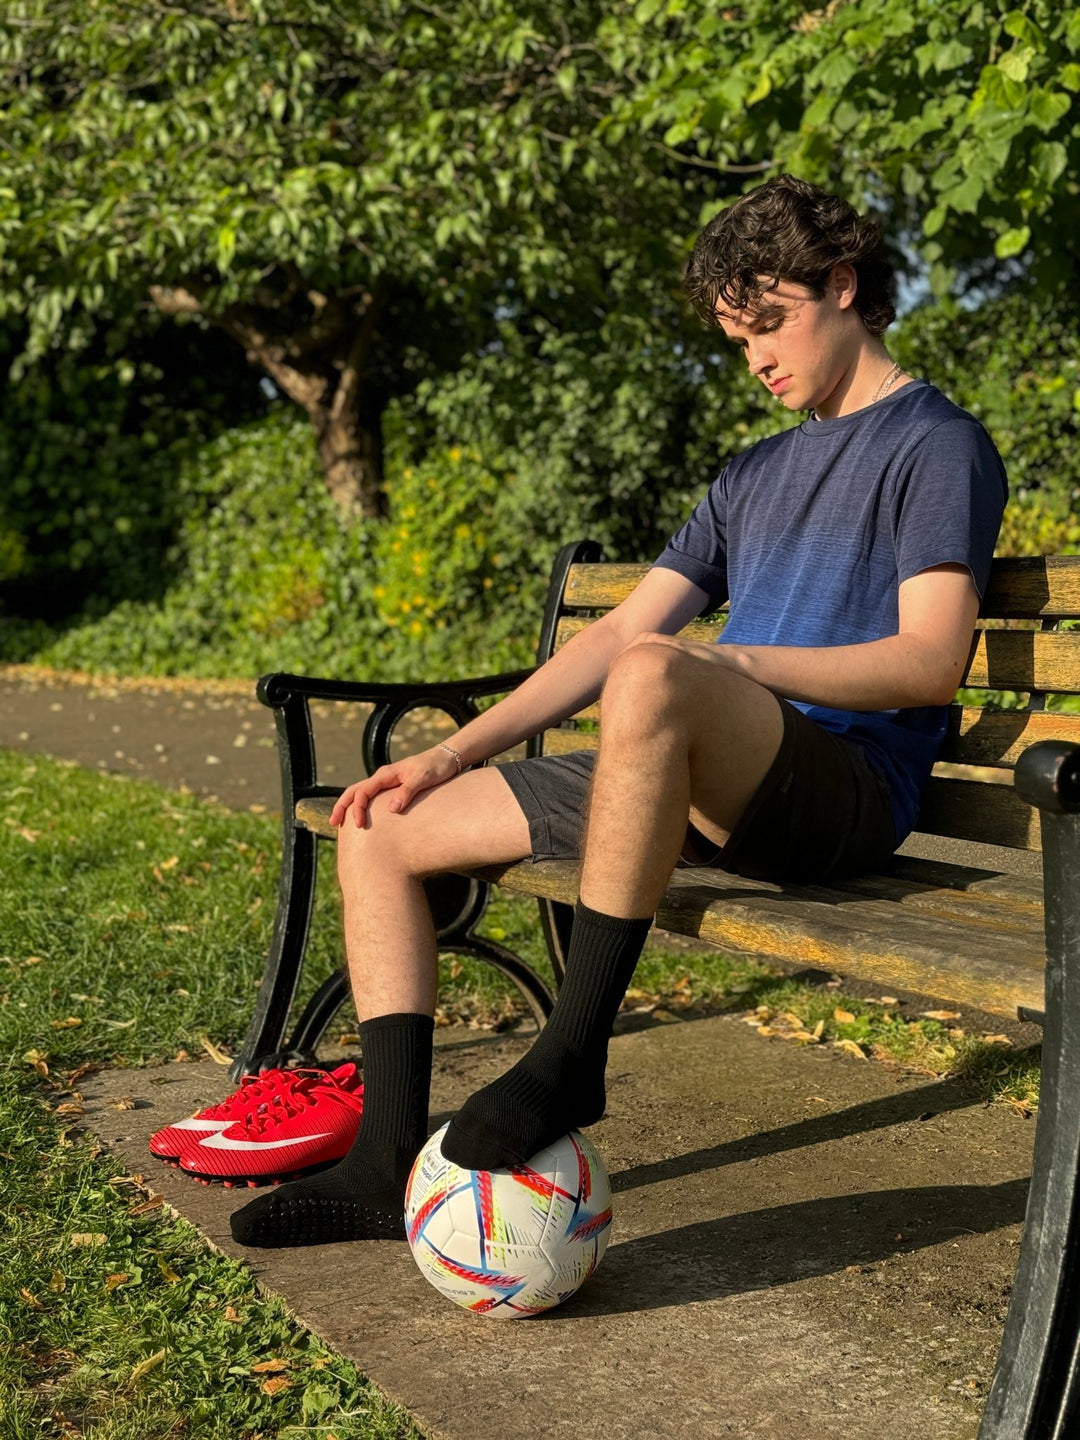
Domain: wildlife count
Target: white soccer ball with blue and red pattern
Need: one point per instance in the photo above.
(509, 1243)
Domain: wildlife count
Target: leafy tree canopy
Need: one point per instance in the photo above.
(959, 115)
(353, 193)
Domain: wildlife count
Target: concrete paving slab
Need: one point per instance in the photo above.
(805, 1246)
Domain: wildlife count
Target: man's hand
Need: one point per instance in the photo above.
(409, 777)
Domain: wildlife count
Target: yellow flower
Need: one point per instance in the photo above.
(463, 532)
(455, 454)
(405, 606)
(379, 592)
(416, 628)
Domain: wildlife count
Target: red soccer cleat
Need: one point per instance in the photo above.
(255, 1090)
(299, 1130)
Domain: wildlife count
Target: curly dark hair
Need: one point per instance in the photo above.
(788, 229)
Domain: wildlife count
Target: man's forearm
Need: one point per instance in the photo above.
(570, 680)
(897, 672)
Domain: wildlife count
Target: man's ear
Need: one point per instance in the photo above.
(843, 284)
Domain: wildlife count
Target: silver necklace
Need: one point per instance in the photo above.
(887, 384)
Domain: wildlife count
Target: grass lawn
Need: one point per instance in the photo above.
(133, 926)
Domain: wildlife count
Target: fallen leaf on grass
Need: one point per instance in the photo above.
(119, 1024)
(144, 1207)
(77, 1075)
(845, 1017)
(850, 1048)
(31, 1299)
(37, 1059)
(145, 1366)
(233, 1315)
(57, 1283)
(113, 1282)
(940, 1014)
(267, 1365)
(68, 1023)
(279, 1382)
(995, 1039)
(168, 1274)
(216, 1053)
(88, 1237)
(348, 1037)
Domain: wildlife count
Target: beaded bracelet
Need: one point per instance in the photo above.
(451, 751)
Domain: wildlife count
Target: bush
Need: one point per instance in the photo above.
(267, 578)
(90, 441)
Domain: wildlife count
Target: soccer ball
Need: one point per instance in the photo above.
(509, 1243)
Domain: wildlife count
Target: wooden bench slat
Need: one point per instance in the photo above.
(1026, 660)
(980, 736)
(1025, 588)
(1033, 587)
(1003, 660)
(969, 810)
(996, 972)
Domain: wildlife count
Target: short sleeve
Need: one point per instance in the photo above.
(949, 502)
(699, 549)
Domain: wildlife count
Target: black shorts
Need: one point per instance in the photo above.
(821, 812)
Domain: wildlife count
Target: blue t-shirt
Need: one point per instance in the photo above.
(810, 533)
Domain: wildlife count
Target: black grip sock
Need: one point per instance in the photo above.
(362, 1197)
(559, 1085)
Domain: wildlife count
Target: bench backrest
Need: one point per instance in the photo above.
(1018, 646)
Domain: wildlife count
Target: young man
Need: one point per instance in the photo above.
(853, 548)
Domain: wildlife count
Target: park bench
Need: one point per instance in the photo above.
(970, 933)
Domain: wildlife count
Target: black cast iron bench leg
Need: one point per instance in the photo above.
(1036, 1390)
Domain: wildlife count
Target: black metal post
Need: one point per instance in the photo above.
(557, 919)
(296, 887)
(1036, 1389)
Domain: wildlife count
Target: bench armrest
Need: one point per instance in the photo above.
(1047, 775)
(289, 696)
(279, 687)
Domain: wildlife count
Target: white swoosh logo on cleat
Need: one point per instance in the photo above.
(196, 1124)
(222, 1142)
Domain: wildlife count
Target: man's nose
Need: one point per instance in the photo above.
(759, 357)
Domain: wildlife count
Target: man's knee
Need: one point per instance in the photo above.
(381, 843)
(646, 680)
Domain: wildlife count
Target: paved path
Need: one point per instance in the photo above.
(805, 1247)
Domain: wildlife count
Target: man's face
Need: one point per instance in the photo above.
(802, 349)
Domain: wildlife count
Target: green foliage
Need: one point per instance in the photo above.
(1015, 363)
(90, 443)
(79, 1320)
(265, 577)
(454, 152)
(957, 115)
(452, 558)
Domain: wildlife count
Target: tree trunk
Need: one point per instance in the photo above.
(316, 349)
(351, 456)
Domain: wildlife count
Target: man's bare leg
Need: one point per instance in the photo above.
(389, 935)
(681, 736)
(391, 947)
